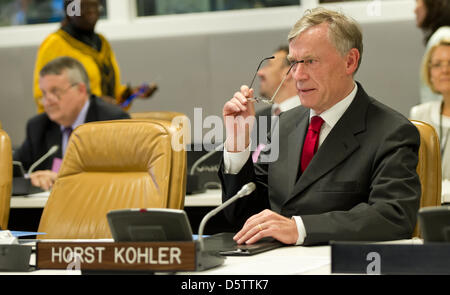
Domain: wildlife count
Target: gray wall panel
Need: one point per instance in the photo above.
(205, 70)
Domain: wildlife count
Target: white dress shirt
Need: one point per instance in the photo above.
(287, 104)
(233, 162)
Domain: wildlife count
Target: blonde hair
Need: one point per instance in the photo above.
(426, 63)
(344, 32)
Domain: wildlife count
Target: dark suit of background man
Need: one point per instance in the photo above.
(67, 103)
(360, 184)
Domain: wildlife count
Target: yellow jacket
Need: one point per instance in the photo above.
(60, 44)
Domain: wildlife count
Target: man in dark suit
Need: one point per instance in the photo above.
(347, 163)
(67, 103)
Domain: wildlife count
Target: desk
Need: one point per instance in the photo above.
(210, 198)
(445, 191)
(290, 260)
(26, 211)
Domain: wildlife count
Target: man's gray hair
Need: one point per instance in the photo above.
(75, 70)
(344, 32)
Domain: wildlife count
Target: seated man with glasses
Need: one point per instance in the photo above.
(346, 166)
(68, 103)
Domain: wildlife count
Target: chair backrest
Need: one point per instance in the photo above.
(5, 178)
(179, 121)
(159, 115)
(113, 165)
(429, 167)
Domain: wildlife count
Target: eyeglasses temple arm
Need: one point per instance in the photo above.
(254, 76)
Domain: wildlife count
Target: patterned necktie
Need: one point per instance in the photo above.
(311, 141)
(68, 131)
(66, 135)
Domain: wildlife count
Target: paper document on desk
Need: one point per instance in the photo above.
(445, 191)
(7, 238)
(19, 234)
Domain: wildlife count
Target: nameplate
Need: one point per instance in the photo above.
(367, 258)
(136, 256)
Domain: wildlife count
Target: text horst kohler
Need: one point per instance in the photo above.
(121, 255)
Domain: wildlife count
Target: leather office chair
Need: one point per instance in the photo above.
(429, 167)
(5, 178)
(113, 165)
(159, 115)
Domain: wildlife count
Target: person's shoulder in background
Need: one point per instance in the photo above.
(424, 111)
(107, 111)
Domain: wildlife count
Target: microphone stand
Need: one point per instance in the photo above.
(245, 190)
(193, 180)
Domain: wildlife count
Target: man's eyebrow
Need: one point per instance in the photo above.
(291, 59)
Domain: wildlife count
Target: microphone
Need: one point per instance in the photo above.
(50, 152)
(22, 184)
(193, 182)
(204, 158)
(244, 191)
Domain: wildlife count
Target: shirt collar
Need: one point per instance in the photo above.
(333, 114)
(81, 118)
(287, 104)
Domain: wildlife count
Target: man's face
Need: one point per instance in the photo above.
(62, 100)
(325, 76)
(90, 13)
(272, 73)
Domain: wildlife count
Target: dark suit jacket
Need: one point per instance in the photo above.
(42, 133)
(361, 185)
(259, 133)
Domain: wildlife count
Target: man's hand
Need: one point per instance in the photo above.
(146, 91)
(43, 179)
(239, 115)
(268, 224)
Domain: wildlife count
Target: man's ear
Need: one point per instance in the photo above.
(82, 88)
(352, 61)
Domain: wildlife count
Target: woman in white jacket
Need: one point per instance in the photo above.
(436, 74)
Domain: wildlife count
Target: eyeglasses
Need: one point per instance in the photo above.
(56, 92)
(440, 65)
(310, 62)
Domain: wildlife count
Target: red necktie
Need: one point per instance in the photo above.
(311, 141)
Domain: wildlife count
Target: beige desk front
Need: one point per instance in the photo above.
(210, 198)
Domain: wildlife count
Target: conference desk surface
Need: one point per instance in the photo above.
(288, 260)
(210, 198)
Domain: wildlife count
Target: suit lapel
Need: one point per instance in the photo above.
(54, 137)
(295, 140)
(91, 115)
(339, 144)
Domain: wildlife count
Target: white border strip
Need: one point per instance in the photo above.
(122, 25)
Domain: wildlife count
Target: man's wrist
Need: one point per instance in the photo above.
(301, 230)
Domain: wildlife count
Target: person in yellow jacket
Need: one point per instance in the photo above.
(77, 39)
